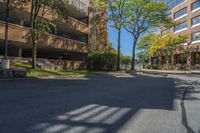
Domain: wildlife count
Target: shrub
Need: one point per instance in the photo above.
(147, 66)
(100, 61)
(156, 67)
(126, 60)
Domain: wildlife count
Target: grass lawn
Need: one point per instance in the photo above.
(46, 73)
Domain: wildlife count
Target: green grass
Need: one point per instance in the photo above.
(47, 73)
(20, 65)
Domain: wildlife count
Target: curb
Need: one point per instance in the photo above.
(170, 72)
(9, 79)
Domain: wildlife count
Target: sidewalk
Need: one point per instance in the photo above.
(151, 71)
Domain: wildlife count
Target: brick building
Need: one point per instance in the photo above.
(76, 37)
(187, 15)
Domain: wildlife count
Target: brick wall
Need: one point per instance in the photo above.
(98, 29)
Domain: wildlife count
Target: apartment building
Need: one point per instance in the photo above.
(77, 36)
(186, 13)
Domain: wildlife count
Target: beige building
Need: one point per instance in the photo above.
(75, 37)
(187, 15)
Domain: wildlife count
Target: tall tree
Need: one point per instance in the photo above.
(115, 9)
(141, 16)
(41, 26)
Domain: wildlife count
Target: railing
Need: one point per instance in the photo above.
(18, 33)
(70, 22)
(79, 4)
(78, 22)
(19, 27)
(67, 39)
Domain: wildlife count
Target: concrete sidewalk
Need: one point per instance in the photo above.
(151, 71)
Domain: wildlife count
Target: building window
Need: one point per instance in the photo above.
(196, 20)
(196, 5)
(171, 3)
(181, 26)
(195, 36)
(180, 13)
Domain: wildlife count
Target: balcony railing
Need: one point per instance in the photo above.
(71, 22)
(79, 5)
(19, 34)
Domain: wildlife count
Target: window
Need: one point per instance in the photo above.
(181, 26)
(196, 36)
(195, 5)
(173, 3)
(196, 20)
(180, 13)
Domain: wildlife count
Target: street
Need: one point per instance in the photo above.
(101, 104)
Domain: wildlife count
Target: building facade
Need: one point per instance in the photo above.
(74, 38)
(186, 13)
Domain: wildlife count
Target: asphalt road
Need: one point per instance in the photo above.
(101, 104)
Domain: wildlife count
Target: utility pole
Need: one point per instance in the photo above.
(6, 62)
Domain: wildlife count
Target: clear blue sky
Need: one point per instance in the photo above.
(126, 40)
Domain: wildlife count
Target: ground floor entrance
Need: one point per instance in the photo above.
(182, 59)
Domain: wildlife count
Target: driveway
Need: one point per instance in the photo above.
(118, 103)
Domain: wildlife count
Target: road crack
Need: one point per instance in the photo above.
(183, 109)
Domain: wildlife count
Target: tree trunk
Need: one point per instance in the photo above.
(34, 54)
(34, 45)
(133, 56)
(6, 30)
(149, 60)
(34, 33)
(119, 49)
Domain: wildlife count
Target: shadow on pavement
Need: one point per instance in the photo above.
(101, 104)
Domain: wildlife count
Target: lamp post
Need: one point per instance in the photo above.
(5, 61)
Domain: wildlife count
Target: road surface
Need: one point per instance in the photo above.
(119, 103)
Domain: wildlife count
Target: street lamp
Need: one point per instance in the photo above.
(5, 61)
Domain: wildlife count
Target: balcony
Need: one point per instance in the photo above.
(71, 24)
(18, 36)
(77, 9)
(77, 25)
(79, 5)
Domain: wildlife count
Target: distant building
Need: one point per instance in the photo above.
(187, 14)
(85, 31)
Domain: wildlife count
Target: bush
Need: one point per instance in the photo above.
(100, 61)
(156, 67)
(126, 60)
(147, 66)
